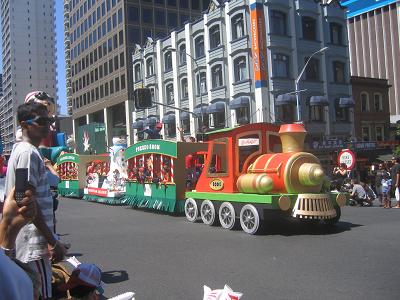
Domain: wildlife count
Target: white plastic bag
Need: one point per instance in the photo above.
(226, 294)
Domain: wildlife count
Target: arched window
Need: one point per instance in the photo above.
(341, 113)
(364, 102)
(280, 65)
(184, 88)
(167, 61)
(169, 92)
(278, 22)
(138, 72)
(240, 67)
(182, 54)
(378, 102)
(237, 26)
(216, 75)
(199, 46)
(215, 37)
(201, 83)
(149, 67)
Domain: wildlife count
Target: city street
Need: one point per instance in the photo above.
(164, 257)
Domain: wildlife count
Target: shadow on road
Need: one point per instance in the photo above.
(296, 228)
(114, 276)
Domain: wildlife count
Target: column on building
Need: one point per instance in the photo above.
(160, 81)
(191, 77)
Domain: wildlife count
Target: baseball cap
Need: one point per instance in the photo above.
(38, 96)
(86, 275)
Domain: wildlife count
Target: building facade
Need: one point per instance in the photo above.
(28, 45)
(229, 69)
(102, 37)
(374, 42)
(371, 110)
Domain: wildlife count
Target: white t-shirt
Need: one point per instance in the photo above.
(14, 282)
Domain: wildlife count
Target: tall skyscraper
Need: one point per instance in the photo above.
(103, 36)
(374, 42)
(28, 41)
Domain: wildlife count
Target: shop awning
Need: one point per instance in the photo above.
(151, 121)
(198, 110)
(385, 157)
(138, 124)
(184, 115)
(285, 99)
(239, 102)
(319, 101)
(169, 119)
(346, 102)
(216, 107)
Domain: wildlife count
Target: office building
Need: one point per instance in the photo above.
(28, 45)
(374, 42)
(229, 70)
(103, 35)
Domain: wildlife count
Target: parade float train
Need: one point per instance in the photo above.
(247, 173)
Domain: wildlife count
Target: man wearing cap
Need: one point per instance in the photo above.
(84, 282)
(395, 174)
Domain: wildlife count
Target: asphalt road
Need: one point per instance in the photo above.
(164, 257)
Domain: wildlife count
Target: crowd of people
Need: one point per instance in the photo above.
(381, 184)
(29, 244)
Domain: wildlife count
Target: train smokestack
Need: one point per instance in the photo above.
(292, 137)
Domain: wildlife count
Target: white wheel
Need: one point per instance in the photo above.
(191, 210)
(249, 219)
(227, 215)
(207, 212)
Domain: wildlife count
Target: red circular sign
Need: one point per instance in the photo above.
(347, 157)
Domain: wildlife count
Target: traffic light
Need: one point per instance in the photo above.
(142, 98)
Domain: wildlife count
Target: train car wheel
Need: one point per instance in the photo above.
(207, 212)
(191, 210)
(227, 215)
(249, 219)
(334, 220)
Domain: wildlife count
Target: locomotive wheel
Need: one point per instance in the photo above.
(227, 215)
(334, 220)
(207, 212)
(249, 219)
(191, 210)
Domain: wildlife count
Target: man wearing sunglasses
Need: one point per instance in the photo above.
(36, 243)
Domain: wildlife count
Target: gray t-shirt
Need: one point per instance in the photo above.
(30, 244)
(359, 191)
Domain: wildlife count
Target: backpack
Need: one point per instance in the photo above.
(61, 272)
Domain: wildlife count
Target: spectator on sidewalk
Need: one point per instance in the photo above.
(379, 173)
(386, 184)
(395, 176)
(36, 243)
(15, 282)
(358, 194)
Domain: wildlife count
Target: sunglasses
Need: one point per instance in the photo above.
(41, 121)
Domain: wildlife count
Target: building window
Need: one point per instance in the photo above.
(182, 54)
(341, 113)
(285, 113)
(364, 102)
(138, 72)
(312, 70)
(199, 46)
(237, 26)
(167, 61)
(316, 113)
(201, 82)
(336, 33)
(309, 28)
(379, 133)
(278, 22)
(338, 72)
(184, 88)
(149, 67)
(240, 67)
(378, 102)
(215, 37)
(280, 65)
(242, 115)
(169, 92)
(365, 133)
(216, 76)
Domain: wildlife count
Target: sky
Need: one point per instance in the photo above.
(62, 93)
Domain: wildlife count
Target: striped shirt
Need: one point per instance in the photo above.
(30, 244)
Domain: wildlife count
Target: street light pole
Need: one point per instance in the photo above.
(201, 94)
(298, 80)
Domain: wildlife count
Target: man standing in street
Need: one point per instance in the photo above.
(395, 175)
(36, 243)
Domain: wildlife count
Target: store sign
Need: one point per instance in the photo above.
(363, 145)
(327, 144)
(347, 157)
(248, 142)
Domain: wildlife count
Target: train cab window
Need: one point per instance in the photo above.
(248, 145)
(219, 158)
(274, 143)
